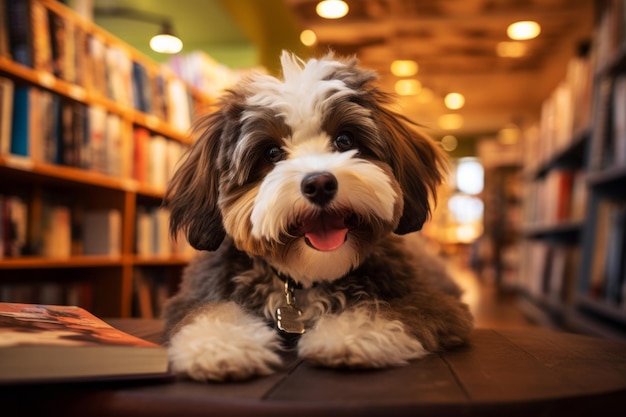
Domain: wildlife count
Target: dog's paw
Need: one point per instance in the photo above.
(224, 343)
(359, 339)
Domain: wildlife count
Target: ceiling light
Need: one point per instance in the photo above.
(450, 121)
(332, 9)
(511, 49)
(520, 31)
(408, 87)
(308, 37)
(404, 68)
(166, 42)
(454, 101)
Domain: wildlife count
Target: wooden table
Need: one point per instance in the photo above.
(518, 372)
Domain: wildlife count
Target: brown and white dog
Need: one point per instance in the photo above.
(298, 190)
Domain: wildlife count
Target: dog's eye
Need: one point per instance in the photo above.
(273, 154)
(344, 141)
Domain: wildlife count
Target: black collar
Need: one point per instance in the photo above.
(288, 280)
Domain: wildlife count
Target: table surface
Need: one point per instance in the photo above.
(525, 371)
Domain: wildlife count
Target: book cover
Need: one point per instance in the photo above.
(49, 343)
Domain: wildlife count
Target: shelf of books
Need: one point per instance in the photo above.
(90, 130)
(601, 297)
(556, 194)
(576, 206)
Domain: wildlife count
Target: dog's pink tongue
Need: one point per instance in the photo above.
(325, 233)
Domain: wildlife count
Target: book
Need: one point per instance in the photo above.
(4, 31)
(52, 343)
(614, 257)
(602, 240)
(619, 121)
(6, 114)
(19, 31)
(141, 140)
(102, 232)
(21, 130)
(56, 233)
(15, 221)
(42, 45)
(96, 131)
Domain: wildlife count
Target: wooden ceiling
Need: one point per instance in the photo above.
(454, 43)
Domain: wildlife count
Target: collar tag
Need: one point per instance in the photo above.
(288, 317)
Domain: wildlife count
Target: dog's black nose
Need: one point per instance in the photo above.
(319, 187)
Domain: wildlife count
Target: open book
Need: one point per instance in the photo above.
(45, 343)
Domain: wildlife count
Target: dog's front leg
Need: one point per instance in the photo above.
(359, 338)
(221, 342)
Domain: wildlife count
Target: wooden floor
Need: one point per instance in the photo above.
(491, 308)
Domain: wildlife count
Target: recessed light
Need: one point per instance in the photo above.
(308, 37)
(332, 9)
(524, 30)
(454, 101)
(404, 68)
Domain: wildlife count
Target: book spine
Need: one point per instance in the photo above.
(20, 31)
(20, 121)
(5, 50)
(102, 232)
(6, 114)
(42, 45)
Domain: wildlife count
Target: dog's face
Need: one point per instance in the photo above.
(308, 172)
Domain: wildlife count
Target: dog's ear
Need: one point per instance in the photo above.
(418, 165)
(192, 192)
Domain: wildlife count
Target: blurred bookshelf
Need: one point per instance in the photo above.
(89, 134)
(574, 269)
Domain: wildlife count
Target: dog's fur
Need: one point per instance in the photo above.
(369, 298)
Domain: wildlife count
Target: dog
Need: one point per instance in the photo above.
(297, 192)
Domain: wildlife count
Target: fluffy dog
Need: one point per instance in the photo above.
(298, 190)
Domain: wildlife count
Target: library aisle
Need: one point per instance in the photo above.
(492, 308)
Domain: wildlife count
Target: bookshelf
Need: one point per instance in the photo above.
(582, 257)
(556, 194)
(89, 126)
(601, 297)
